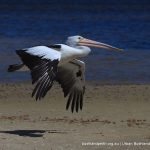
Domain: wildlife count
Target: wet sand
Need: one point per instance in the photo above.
(111, 113)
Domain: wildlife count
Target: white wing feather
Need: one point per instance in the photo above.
(44, 52)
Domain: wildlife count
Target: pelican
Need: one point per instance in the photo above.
(59, 62)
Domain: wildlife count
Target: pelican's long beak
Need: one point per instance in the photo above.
(87, 42)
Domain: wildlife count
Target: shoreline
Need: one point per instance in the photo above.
(111, 113)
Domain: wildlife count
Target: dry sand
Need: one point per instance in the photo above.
(111, 113)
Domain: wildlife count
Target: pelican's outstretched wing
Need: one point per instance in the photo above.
(42, 61)
(71, 78)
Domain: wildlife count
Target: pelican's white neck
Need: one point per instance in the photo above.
(84, 50)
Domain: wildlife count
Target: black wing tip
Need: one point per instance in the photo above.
(14, 67)
(77, 102)
(37, 98)
(20, 51)
(11, 68)
(74, 110)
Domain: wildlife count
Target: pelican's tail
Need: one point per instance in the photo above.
(15, 67)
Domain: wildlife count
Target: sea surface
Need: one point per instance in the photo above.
(123, 24)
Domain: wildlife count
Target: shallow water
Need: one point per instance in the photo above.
(124, 25)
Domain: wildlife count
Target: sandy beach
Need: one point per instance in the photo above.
(111, 114)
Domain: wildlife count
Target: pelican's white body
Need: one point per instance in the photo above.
(64, 54)
(69, 53)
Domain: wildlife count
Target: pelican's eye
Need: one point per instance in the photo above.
(79, 38)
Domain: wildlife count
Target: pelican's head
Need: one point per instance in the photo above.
(81, 41)
(73, 40)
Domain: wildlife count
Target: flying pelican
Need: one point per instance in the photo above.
(59, 62)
